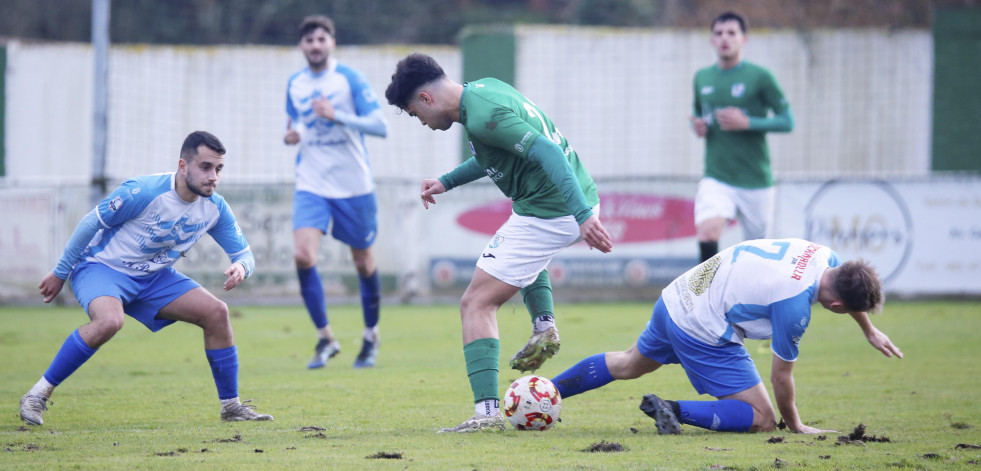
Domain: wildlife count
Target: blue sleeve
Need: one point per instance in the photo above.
(790, 319)
(372, 123)
(230, 237)
(290, 109)
(549, 155)
(125, 203)
(364, 97)
(84, 232)
(464, 173)
(834, 260)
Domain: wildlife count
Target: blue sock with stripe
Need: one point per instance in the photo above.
(73, 353)
(224, 368)
(727, 415)
(370, 298)
(588, 374)
(312, 290)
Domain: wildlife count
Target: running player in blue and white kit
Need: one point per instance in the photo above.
(120, 260)
(760, 289)
(330, 108)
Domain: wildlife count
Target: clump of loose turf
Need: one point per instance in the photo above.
(604, 446)
(858, 437)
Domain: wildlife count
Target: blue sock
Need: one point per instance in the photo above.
(370, 298)
(727, 415)
(73, 353)
(312, 290)
(588, 374)
(224, 368)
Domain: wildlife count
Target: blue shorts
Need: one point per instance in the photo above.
(716, 370)
(355, 219)
(142, 296)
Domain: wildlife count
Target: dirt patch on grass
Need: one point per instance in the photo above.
(234, 439)
(604, 446)
(383, 455)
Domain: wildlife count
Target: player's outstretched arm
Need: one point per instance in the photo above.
(879, 340)
(50, 286)
(782, 379)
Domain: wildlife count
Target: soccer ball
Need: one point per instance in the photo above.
(532, 403)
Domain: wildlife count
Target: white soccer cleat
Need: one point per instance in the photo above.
(238, 412)
(479, 422)
(32, 407)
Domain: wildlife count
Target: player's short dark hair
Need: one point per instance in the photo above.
(412, 72)
(730, 16)
(313, 22)
(858, 286)
(194, 140)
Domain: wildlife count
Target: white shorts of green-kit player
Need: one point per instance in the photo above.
(753, 206)
(525, 245)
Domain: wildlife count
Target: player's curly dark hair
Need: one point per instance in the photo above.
(313, 22)
(412, 72)
(191, 143)
(858, 286)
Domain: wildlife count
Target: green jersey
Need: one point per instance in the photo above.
(738, 158)
(502, 126)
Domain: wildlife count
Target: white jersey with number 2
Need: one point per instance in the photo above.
(758, 289)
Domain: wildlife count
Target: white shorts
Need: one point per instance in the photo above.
(525, 245)
(754, 207)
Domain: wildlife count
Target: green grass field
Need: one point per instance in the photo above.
(147, 401)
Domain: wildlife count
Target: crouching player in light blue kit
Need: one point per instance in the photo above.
(120, 261)
(760, 289)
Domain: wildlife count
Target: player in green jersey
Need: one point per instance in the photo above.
(554, 204)
(733, 101)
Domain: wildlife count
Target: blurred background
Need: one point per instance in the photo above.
(883, 162)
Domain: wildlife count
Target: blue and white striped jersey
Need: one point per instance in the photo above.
(758, 289)
(145, 226)
(332, 160)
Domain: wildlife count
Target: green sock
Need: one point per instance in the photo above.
(483, 356)
(538, 297)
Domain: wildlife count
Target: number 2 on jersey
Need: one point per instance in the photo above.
(780, 247)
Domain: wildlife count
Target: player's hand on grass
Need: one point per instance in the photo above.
(593, 232)
(882, 343)
(430, 187)
(50, 286)
(732, 119)
(235, 273)
(808, 430)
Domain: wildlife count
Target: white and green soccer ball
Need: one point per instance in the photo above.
(532, 403)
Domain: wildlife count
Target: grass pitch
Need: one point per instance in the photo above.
(147, 400)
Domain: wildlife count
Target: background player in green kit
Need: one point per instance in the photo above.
(733, 100)
(554, 203)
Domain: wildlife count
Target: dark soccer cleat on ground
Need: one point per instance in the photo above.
(659, 410)
(325, 350)
(366, 357)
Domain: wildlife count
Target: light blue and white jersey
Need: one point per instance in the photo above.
(758, 289)
(145, 226)
(332, 160)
